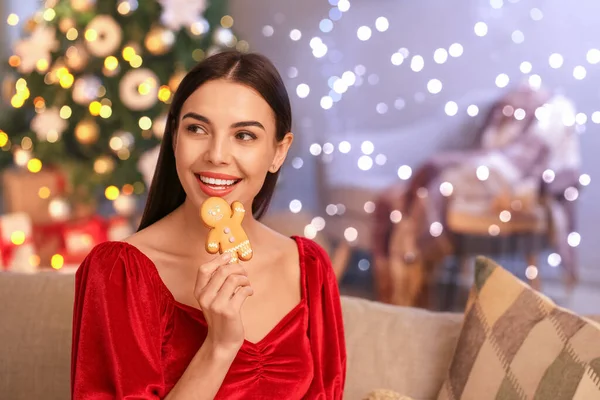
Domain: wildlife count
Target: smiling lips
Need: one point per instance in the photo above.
(214, 184)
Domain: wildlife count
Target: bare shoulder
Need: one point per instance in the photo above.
(277, 246)
(140, 238)
(152, 239)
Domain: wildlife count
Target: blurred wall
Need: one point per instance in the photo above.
(393, 108)
(4, 39)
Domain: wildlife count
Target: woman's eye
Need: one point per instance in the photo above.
(197, 129)
(245, 136)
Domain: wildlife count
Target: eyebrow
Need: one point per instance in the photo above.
(241, 124)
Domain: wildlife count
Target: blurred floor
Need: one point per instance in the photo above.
(584, 299)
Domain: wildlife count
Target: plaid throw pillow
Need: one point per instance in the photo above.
(515, 343)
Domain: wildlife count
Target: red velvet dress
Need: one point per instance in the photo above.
(133, 340)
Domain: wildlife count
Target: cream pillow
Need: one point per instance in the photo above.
(515, 343)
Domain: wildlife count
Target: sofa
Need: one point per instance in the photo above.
(407, 350)
(390, 347)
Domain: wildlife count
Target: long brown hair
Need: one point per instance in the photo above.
(253, 70)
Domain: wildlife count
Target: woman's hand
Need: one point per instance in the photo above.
(221, 289)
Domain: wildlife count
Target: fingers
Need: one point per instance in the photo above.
(206, 271)
(232, 284)
(222, 274)
(234, 274)
(240, 296)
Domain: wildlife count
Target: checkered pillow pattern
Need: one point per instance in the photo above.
(515, 343)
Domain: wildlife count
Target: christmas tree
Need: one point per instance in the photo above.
(91, 81)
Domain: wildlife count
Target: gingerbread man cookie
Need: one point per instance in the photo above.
(226, 234)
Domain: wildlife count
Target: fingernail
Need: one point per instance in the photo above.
(226, 256)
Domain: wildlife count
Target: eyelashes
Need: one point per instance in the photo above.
(196, 129)
(244, 136)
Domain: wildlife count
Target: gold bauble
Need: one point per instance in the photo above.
(77, 57)
(176, 80)
(82, 5)
(30, 25)
(8, 87)
(65, 24)
(159, 40)
(104, 165)
(87, 131)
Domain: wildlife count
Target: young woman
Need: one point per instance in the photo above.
(157, 317)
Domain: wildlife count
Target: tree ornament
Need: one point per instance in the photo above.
(48, 125)
(36, 50)
(178, 14)
(176, 80)
(83, 5)
(147, 164)
(138, 89)
(59, 209)
(77, 57)
(87, 132)
(103, 36)
(65, 24)
(85, 89)
(8, 87)
(159, 125)
(159, 40)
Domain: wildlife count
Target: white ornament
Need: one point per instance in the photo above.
(48, 123)
(108, 36)
(85, 89)
(159, 125)
(125, 205)
(179, 14)
(21, 157)
(119, 229)
(37, 47)
(122, 140)
(147, 164)
(59, 209)
(17, 229)
(224, 37)
(130, 93)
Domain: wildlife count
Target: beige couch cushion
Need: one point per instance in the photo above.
(517, 344)
(402, 349)
(35, 335)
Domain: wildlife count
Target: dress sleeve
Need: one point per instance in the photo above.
(326, 328)
(116, 348)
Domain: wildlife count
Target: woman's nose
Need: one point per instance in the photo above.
(219, 151)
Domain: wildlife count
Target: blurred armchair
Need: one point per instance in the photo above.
(520, 181)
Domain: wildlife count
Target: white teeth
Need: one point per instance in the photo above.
(216, 182)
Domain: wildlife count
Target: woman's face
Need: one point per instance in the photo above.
(226, 143)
